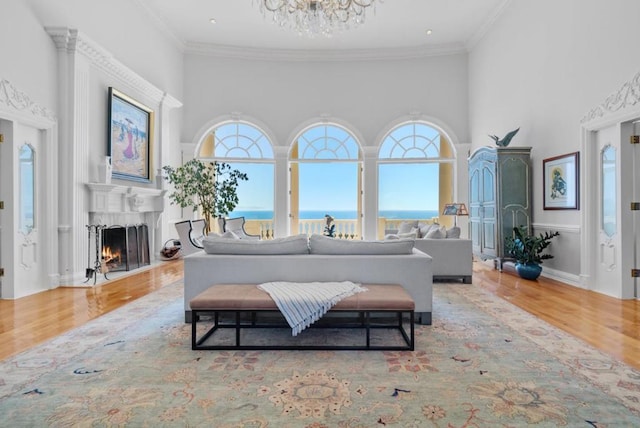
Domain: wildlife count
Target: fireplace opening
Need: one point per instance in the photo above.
(125, 247)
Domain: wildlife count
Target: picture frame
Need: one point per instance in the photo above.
(560, 181)
(129, 137)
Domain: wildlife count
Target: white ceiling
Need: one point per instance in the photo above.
(394, 24)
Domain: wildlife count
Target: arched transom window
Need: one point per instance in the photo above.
(325, 142)
(411, 141)
(236, 140)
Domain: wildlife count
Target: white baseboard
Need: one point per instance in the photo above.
(558, 275)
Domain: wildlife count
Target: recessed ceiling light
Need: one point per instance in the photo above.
(429, 31)
(212, 20)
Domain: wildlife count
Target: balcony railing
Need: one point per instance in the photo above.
(345, 229)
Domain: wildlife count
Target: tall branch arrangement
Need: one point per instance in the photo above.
(208, 186)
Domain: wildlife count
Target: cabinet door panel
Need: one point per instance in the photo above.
(488, 185)
(488, 238)
(474, 187)
(514, 179)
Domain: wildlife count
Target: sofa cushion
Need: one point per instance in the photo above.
(407, 226)
(320, 244)
(297, 244)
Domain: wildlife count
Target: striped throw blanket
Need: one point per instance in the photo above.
(303, 303)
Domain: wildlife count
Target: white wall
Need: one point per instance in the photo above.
(366, 94)
(543, 65)
(125, 29)
(367, 97)
(28, 57)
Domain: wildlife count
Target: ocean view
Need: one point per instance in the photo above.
(339, 215)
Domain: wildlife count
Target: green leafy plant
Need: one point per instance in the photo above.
(208, 186)
(526, 248)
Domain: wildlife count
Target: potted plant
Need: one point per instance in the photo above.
(528, 251)
(210, 186)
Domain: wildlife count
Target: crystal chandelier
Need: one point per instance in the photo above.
(316, 17)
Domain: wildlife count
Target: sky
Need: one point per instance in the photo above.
(333, 186)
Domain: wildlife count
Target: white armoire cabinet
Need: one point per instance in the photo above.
(499, 197)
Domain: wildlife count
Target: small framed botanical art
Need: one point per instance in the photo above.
(560, 181)
(130, 137)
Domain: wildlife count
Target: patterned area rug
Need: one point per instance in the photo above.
(483, 363)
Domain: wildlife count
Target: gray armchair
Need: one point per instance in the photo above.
(190, 234)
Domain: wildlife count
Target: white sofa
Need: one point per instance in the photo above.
(452, 255)
(229, 261)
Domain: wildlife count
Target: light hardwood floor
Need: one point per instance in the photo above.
(609, 324)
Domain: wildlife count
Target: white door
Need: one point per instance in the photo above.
(30, 277)
(607, 252)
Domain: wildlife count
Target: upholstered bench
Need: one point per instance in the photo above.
(246, 301)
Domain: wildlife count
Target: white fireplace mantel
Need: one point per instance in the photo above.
(115, 199)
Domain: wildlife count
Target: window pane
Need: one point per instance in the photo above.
(256, 194)
(328, 188)
(608, 199)
(408, 190)
(27, 188)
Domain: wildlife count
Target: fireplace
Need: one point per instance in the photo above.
(125, 248)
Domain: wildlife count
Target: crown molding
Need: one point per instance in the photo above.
(21, 103)
(488, 24)
(627, 95)
(300, 55)
(71, 41)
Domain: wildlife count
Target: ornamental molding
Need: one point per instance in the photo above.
(72, 41)
(628, 95)
(19, 101)
(320, 55)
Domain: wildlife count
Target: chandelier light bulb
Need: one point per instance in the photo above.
(316, 17)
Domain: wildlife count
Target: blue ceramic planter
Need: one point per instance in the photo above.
(528, 270)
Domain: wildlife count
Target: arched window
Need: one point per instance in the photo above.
(326, 179)
(415, 175)
(246, 148)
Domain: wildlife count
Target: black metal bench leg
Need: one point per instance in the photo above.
(368, 328)
(194, 319)
(238, 328)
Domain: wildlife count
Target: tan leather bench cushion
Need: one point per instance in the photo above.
(248, 297)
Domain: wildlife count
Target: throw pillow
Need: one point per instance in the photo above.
(230, 235)
(406, 226)
(453, 233)
(424, 229)
(320, 244)
(391, 236)
(436, 233)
